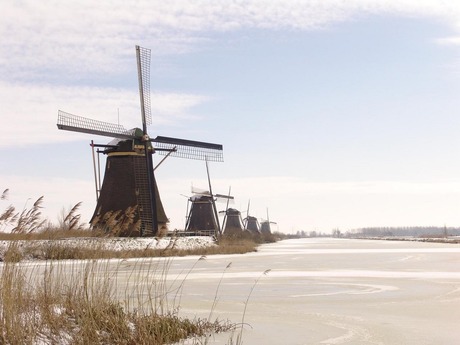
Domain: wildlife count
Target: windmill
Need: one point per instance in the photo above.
(233, 224)
(251, 223)
(265, 225)
(129, 182)
(203, 217)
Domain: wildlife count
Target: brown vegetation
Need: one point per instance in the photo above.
(79, 306)
(30, 247)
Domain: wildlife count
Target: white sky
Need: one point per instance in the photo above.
(333, 114)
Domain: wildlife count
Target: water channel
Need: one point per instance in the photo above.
(309, 291)
(333, 291)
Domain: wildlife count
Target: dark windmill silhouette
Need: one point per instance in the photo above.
(251, 223)
(129, 184)
(233, 224)
(265, 227)
(203, 217)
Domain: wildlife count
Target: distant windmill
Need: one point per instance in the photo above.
(265, 225)
(129, 181)
(233, 224)
(203, 217)
(251, 223)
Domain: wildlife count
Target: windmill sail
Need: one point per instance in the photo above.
(81, 124)
(143, 70)
(190, 149)
(182, 148)
(149, 210)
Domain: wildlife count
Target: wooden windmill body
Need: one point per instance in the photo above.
(129, 194)
(202, 218)
(252, 224)
(123, 196)
(233, 223)
(265, 227)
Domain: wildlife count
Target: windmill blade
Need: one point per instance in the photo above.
(143, 70)
(228, 199)
(212, 199)
(225, 199)
(223, 196)
(81, 124)
(190, 149)
(200, 191)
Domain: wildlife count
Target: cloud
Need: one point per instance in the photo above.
(174, 106)
(94, 37)
(449, 41)
(36, 111)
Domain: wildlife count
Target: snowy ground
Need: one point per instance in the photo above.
(121, 243)
(449, 239)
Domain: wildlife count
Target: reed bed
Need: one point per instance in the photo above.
(87, 249)
(94, 302)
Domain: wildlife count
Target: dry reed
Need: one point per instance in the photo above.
(80, 303)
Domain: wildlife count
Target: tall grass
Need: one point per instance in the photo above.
(26, 221)
(30, 221)
(239, 338)
(93, 249)
(83, 303)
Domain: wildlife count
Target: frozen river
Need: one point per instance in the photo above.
(332, 291)
(317, 291)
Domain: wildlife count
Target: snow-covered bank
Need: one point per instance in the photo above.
(119, 243)
(450, 239)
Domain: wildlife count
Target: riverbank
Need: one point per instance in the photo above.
(452, 239)
(81, 248)
(99, 247)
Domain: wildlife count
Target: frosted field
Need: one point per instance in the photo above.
(318, 291)
(331, 291)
